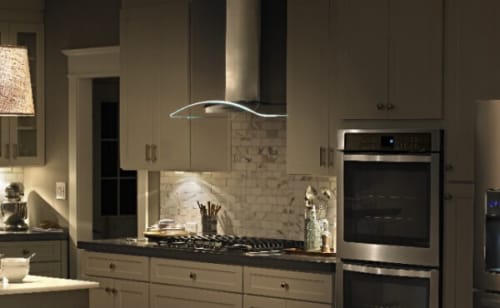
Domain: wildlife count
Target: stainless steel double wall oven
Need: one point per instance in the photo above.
(389, 218)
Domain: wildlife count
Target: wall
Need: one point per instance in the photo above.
(68, 24)
(258, 198)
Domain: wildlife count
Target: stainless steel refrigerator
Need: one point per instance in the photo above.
(487, 205)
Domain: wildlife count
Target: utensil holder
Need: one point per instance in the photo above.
(209, 224)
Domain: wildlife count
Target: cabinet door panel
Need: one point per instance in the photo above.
(171, 296)
(101, 297)
(138, 57)
(307, 86)
(50, 269)
(172, 136)
(361, 71)
(415, 58)
(131, 294)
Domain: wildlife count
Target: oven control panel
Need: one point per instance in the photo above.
(493, 203)
(388, 142)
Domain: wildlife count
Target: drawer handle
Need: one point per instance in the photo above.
(285, 285)
(25, 252)
(112, 266)
(107, 290)
(114, 291)
(192, 275)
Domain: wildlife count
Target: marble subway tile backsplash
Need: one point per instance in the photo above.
(258, 197)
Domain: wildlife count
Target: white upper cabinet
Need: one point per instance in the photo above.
(22, 138)
(159, 59)
(388, 59)
(153, 82)
(308, 101)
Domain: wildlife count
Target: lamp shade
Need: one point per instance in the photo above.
(16, 98)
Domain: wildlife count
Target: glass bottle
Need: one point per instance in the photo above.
(312, 235)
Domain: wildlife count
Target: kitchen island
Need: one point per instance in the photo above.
(45, 292)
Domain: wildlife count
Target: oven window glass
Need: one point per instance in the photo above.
(493, 244)
(371, 291)
(387, 203)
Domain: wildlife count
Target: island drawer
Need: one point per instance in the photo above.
(115, 266)
(288, 284)
(197, 274)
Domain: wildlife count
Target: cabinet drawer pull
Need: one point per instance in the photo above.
(107, 290)
(380, 106)
(448, 197)
(14, 150)
(192, 276)
(284, 285)
(114, 291)
(390, 106)
(148, 152)
(112, 266)
(25, 252)
(331, 155)
(448, 167)
(153, 153)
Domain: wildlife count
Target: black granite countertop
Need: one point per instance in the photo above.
(31, 235)
(306, 263)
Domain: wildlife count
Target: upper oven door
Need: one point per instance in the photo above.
(389, 208)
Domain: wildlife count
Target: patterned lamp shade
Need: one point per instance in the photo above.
(16, 98)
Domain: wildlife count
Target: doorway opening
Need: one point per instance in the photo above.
(114, 189)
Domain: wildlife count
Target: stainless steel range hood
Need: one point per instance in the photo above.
(242, 67)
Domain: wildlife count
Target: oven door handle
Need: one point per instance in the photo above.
(390, 272)
(389, 158)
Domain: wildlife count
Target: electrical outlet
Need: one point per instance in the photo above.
(60, 190)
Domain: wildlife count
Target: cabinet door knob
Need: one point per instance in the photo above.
(284, 285)
(25, 252)
(112, 266)
(448, 196)
(448, 167)
(380, 106)
(114, 291)
(107, 289)
(192, 276)
(390, 106)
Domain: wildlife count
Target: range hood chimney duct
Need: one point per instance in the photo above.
(242, 50)
(242, 68)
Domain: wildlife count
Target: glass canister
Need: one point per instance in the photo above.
(312, 230)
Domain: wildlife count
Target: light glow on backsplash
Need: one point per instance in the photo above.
(258, 197)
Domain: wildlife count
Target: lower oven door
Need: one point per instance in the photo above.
(367, 286)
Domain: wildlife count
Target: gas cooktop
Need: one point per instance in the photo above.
(228, 243)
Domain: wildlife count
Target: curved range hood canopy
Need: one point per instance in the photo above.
(242, 71)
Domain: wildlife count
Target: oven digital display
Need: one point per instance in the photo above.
(387, 141)
(493, 202)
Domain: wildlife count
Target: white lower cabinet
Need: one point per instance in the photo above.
(51, 256)
(288, 284)
(117, 293)
(252, 301)
(135, 281)
(123, 280)
(163, 296)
